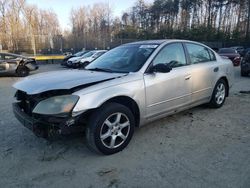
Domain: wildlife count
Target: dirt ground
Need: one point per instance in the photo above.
(200, 147)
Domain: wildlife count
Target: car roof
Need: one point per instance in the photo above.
(160, 41)
(9, 54)
(16, 55)
(148, 42)
(227, 49)
(95, 51)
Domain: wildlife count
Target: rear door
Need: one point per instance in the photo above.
(11, 62)
(166, 92)
(204, 69)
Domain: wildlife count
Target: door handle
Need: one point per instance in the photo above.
(187, 77)
(216, 69)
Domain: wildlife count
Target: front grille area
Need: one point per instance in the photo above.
(26, 102)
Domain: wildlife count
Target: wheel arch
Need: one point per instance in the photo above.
(128, 102)
(227, 84)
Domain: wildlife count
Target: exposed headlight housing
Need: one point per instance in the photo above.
(58, 105)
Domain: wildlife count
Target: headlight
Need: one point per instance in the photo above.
(58, 105)
(75, 61)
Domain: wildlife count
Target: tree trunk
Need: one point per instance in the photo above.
(248, 21)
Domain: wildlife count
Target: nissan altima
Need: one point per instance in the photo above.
(127, 87)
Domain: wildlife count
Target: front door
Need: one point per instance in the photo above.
(166, 92)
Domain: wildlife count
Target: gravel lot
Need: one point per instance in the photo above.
(200, 147)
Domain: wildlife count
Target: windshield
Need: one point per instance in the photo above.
(78, 54)
(129, 58)
(87, 54)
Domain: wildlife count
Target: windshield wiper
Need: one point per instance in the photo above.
(100, 69)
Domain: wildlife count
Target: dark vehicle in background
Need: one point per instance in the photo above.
(239, 49)
(232, 54)
(66, 58)
(16, 64)
(245, 51)
(245, 65)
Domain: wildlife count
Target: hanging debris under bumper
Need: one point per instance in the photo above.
(47, 126)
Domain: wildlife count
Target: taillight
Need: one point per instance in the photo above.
(237, 59)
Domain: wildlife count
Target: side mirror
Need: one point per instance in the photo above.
(162, 68)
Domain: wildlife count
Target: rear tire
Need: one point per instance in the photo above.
(219, 94)
(110, 128)
(22, 71)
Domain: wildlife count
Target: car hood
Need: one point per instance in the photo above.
(60, 80)
(86, 59)
(74, 58)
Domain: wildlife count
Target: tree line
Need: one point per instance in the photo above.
(201, 20)
(24, 27)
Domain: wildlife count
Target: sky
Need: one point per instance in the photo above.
(63, 7)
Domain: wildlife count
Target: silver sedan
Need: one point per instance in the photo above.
(127, 87)
(16, 64)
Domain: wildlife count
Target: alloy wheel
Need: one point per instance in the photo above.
(220, 93)
(115, 130)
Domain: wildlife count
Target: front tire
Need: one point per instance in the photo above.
(22, 71)
(219, 94)
(110, 128)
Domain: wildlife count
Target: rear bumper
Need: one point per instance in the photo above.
(47, 126)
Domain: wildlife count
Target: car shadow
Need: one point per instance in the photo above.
(77, 142)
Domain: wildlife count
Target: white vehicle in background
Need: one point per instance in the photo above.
(85, 59)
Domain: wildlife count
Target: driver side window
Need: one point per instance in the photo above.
(172, 54)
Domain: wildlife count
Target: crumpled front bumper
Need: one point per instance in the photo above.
(48, 126)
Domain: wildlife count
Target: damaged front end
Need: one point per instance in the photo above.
(45, 102)
(48, 114)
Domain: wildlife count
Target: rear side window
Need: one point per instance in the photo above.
(212, 56)
(198, 53)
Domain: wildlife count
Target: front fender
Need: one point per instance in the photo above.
(94, 99)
